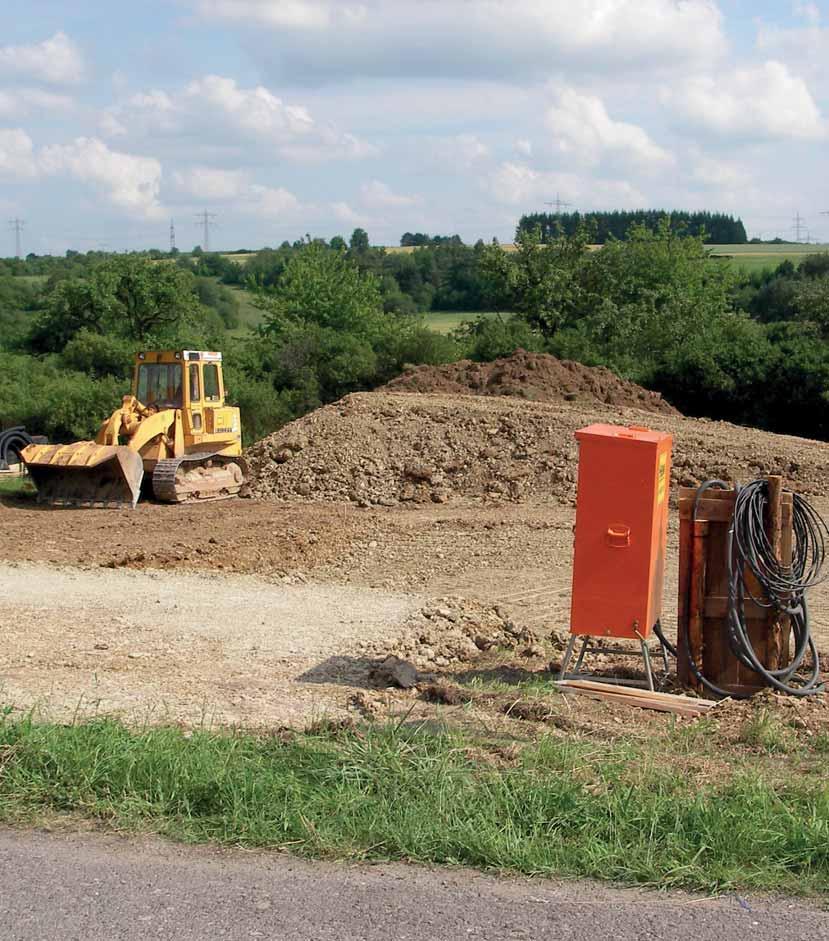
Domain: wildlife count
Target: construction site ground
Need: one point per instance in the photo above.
(272, 611)
(266, 615)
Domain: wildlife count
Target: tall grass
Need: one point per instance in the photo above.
(564, 808)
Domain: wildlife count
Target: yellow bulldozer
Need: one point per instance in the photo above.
(175, 428)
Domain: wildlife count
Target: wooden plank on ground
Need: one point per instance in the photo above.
(638, 698)
(636, 691)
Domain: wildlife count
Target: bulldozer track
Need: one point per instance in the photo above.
(218, 482)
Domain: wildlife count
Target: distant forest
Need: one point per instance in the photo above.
(719, 228)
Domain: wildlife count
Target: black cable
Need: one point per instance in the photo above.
(783, 586)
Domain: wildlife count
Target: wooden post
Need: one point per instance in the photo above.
(703, 591)
(686, 552)
(778, 637)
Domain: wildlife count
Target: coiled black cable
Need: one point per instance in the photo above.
(783, 586)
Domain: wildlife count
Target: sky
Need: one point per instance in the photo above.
(287, 117)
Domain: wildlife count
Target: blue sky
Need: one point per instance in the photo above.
(286, 117)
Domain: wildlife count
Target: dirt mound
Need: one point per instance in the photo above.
(537, 377)
(375, 448)
(454, 630)
(384, 449)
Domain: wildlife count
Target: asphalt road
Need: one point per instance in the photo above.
(86, 886)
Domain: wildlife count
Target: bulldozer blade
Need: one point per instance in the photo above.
(85, 474)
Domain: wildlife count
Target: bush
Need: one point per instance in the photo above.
(65, 405)
(489, 338)
(99, 355)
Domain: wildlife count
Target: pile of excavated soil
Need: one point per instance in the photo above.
(455, 630)
(537, 377)
(385, 449)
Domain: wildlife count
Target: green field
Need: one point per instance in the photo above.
(749, 258)
(445, 321)
(441, 321)
(753, 258)
(249, 314)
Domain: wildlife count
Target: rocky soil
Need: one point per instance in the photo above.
(537, 377)
(387, 449)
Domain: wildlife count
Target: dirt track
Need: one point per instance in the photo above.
(158, 646)
(256, 641)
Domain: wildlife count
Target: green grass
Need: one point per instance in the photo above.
(445, 321)
(249, 314)
(756, 258)
(563, 808)
(440, 321)
(10, 486)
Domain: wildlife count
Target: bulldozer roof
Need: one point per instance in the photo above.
(172, 356)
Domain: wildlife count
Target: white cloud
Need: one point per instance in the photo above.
(110, 126)
(297, 14)
(581, 126)
(720, 173)
(763, 102)
(57, 60)
(21, 101)
(210, 183)
(274, 201)
(807, 45)
(377, 195)
(459, 152)
(523, 146)
(517, 184)
(17, 156)
(216, 185)
(251, 109)
(314, 40)
(346, 213)
(130, 182)
(216, 107)
(808, 11)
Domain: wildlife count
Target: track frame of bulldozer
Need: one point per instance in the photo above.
(171, 482)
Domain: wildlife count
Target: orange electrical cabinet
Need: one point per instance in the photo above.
(621, 530)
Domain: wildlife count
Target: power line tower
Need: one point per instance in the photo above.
(17, 225)
(559, 203)
(798, 226)
(205, 219)
(172, 235)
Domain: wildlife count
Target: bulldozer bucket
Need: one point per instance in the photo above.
(85, 474)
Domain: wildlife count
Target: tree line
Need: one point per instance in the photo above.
(715, 228)
(341, 316)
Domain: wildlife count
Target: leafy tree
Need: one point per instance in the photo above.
(128, 296)
(539, 280)
(812, 302)
(323, 288)
(359, 241)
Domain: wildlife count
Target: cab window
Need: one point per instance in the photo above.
(159, 384)
(211, 382)
(195, 388)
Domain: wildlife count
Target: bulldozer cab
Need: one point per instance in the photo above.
(186, 379)
(191, 382)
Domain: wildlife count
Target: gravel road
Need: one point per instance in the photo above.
(183, 647)
(72, 887)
